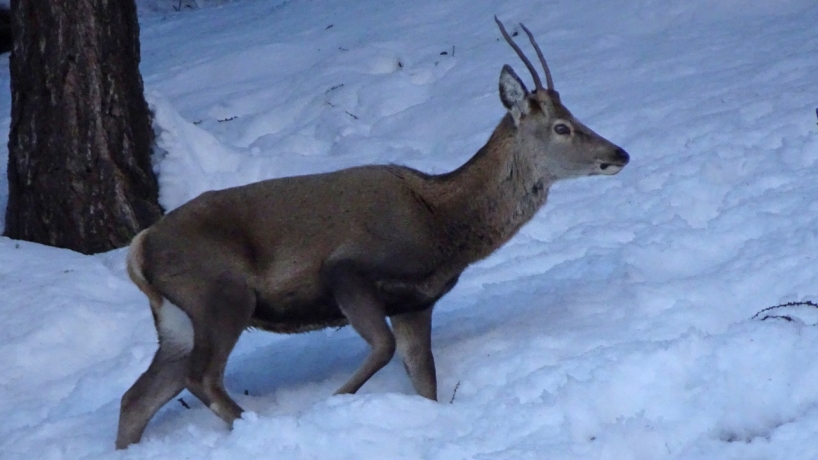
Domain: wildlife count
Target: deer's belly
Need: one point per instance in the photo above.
(294, 310)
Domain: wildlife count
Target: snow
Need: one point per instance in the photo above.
(617, 325)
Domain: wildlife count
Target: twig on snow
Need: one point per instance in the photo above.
(454, 393)
(783, 305)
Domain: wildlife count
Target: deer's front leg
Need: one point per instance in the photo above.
(413, 332)
(357, 299)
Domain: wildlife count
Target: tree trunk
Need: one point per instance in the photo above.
(80, 174)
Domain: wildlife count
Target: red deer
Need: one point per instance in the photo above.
(355, 246)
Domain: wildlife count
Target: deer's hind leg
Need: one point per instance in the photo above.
(165, 377)
(222, 311)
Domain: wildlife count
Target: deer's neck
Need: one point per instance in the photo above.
(486, 201)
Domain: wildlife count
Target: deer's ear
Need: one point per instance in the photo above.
(514, 94)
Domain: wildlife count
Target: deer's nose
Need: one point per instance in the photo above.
(622, 156)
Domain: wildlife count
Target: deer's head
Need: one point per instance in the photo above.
(558, 144)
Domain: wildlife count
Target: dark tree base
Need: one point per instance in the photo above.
(5, 30)
(80, 174)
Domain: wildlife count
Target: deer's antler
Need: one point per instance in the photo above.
(548, 80)
(537, 82)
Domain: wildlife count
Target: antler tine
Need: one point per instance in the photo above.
(537, 81)
(548, 80)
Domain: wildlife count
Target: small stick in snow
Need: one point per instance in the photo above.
(445, 53)
(454, 393)
(183, 403)
(351, 114)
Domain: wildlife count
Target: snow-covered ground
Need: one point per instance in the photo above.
(616, 325)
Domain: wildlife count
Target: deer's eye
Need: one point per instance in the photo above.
(562, 129)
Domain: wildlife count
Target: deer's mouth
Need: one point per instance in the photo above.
(610, 169)
(615, 165)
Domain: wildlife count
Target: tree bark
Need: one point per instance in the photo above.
(80, 173)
